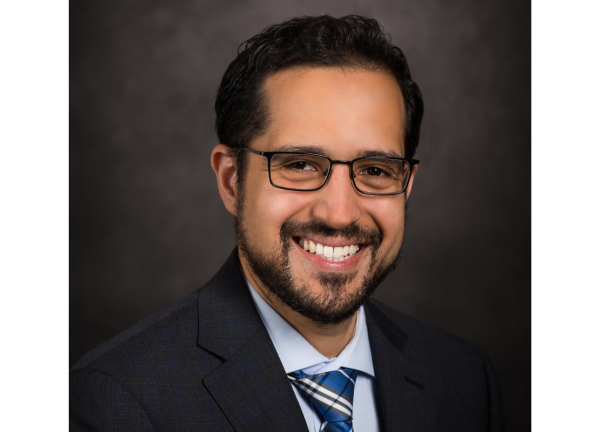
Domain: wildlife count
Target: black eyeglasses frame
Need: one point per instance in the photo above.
(269, 156)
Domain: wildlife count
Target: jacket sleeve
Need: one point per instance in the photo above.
(495, 409)
(98, 402)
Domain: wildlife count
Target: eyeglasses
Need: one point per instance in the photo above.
(371, 175)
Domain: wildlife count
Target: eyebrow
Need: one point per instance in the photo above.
(380, 153)
(302, 149)
(322, 151)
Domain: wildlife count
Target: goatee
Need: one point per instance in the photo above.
(333, 305)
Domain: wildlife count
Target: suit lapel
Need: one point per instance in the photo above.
(401, 381)
(253, 391)
(251, 386)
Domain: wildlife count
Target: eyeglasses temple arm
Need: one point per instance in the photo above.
(253, 151)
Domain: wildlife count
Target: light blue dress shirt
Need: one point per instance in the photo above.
(296, 353)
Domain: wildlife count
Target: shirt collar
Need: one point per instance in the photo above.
(296, 353)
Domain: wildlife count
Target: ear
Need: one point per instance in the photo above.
(412, 179)
(226, 172)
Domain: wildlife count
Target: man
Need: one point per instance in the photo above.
(318, 120)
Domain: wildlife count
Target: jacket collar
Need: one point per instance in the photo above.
(227, 318)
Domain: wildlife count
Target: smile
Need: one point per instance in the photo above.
(330, 253)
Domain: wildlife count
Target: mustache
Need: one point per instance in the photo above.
(319, 228)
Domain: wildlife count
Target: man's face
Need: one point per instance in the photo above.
(341, 114)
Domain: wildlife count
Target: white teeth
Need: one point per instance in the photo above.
(331, 253)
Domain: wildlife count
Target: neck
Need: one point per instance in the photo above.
(328, 339)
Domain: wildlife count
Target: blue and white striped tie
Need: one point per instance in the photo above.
(331, 394)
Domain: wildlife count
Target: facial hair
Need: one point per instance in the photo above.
(332, 306)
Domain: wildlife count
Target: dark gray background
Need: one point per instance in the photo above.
(147, 225)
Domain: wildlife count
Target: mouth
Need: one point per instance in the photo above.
(334, 251)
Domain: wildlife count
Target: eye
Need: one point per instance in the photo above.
(374, 172)
(301, 166)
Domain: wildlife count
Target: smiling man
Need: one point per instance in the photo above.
(318, 120)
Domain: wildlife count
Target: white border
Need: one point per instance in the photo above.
(566, 216)
(34, 215)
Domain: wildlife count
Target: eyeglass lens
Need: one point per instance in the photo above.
(306, 172)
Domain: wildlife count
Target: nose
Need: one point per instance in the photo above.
(338, 203)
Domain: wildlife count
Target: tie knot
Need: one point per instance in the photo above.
(331, 393)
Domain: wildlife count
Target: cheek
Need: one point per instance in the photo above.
(268, 208)
(389, 217)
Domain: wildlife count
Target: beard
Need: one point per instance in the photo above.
(334, 304)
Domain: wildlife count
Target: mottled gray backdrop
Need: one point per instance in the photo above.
(147, 225)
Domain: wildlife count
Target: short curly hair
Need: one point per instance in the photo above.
(314, 41)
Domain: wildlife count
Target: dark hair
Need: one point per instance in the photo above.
(321, 41)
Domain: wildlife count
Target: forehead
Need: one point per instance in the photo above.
(342, 111)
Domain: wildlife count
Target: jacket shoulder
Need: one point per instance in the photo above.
(147, 376)
(422, 338)
(441, 353)
(458, 374)
(167, 328)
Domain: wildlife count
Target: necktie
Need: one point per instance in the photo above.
(331, 394)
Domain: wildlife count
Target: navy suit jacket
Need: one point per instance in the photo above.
(207, 363)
